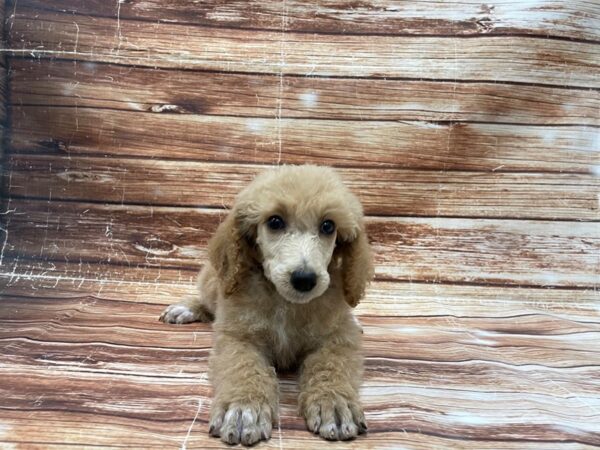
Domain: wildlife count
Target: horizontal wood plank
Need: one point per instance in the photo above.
(92, 85)
(139, 284)
(382, 191)
(162, 286)
(105, 432)
(76, 332)
(573, 19)
(422, 249)
(450, 146)
(494, 342)
(63, 428)
(509, 59)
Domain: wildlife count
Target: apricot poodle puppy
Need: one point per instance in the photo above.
(286, 266)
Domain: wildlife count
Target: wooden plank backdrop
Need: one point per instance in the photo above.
(469, 130)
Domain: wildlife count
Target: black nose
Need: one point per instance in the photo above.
(303, 281)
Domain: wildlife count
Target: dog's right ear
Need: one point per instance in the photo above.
(228, 254)
(357, 266)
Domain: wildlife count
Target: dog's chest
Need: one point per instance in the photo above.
(289, 336)
(280, 330)
(282, 334)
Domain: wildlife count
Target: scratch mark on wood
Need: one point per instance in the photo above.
(119, 35)
(16, 276)
(184, 444)
(76, 39)
(14, 15)
(279, 430)
(3, 229)
(7, 213)
(281, 68)
(571, 394)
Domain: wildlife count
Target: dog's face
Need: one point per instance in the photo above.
(296, 252)
(297, 223)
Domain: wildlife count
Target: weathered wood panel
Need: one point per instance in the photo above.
(140, 284)
(3, 125)
(574, 19)
(494, 342)
(504, 252)
(116, 359)
(129, 234)
(448, 146)
(92, 85)
(441, 250)
(382, 191)
(510, 59)
(44, 336)
(482, 326)
(150, 434)
(135, 434)
(162, 286)
(3, 98)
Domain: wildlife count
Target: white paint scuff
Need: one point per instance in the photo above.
(309, 99)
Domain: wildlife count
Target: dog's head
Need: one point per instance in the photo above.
(299, 224)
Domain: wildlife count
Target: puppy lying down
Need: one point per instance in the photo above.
(286, 266)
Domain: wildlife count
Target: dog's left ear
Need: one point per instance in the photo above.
(229, 253)
(357, 266)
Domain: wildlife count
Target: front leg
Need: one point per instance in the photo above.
(246, 392)
(329, 382)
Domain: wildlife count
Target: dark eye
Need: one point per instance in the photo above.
(275, 223)
(327, 227)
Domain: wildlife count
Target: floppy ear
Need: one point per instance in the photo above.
(357, 267)
(228, 253)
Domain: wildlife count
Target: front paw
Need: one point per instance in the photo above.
(178, 313)
(334, 417)
(186, 312)
(241, 422)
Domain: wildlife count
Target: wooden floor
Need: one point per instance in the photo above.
(469, 130)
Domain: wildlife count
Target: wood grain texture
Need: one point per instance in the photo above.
(106, 361)
(142, 89)
(3, 95)
(444, 146)
(573, 19)
(382, 191)
(506, 59)
(469, 130)
(161, 285)
(421, 249)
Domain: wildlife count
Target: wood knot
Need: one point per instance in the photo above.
(485, 24)
(166, 108)
(155, 246)
(55, 145)
(80, 176)
(180, 106)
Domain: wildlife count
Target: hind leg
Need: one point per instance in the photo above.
(199, 307)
